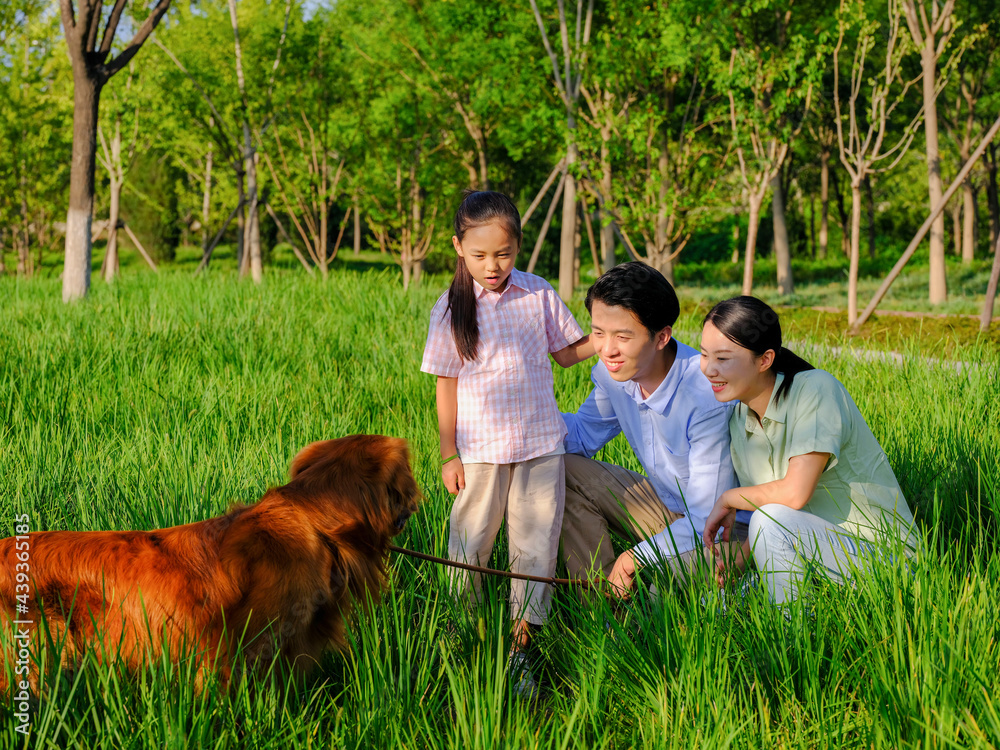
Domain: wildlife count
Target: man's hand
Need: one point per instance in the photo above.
(453, 474)
(622, 575)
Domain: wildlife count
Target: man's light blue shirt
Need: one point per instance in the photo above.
(680, 434)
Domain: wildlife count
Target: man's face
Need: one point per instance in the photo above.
(623, 343)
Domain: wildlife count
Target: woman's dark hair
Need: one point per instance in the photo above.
(640, 289)
(749, 322)
(479, 207)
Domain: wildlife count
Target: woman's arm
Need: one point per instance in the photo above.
(793, 490)
(578, 351)
(452, 472)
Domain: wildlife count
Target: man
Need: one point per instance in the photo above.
(649, 386)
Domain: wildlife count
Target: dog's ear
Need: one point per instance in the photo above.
(310, 455)
(399, 481)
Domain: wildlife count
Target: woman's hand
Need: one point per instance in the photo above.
(453, 474)
(722, 516)
(622, 576)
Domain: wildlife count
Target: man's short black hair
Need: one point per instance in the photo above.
(640, 289)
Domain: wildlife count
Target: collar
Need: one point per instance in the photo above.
(776, 411)
(516, 278)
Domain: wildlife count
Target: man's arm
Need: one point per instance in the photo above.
(593, 425)
(710, 473)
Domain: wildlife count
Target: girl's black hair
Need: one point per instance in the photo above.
(749, 322)
(479, 207)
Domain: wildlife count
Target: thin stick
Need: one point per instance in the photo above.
(925, 227)
(208, 250)
(288, 239)
(492, 571)
(545, 224)
(541, 193)
(139, 247)
(590, 238)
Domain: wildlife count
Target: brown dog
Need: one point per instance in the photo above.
(274, 578)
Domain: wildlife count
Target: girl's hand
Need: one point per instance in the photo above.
(622, 575)
(722, 517)
(453, 474)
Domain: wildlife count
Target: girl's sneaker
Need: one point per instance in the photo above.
(522, 681)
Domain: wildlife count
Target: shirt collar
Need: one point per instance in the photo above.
(776, 411)
(516, 278)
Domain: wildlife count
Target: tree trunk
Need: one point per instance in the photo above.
(24, 246)
(938, 292)
(969, 221)
(824, 199)
(753, 221)
(782, 253)
(870, 208)
(736, 234)
(956, 226)
(607, 225)
(812, 225)
(206, 198)
(111, 264)
(76, 268)
(357, 228)
(252, 243)
(664, 248)
(568, 236)
(852, 274)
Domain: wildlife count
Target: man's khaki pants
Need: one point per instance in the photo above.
(601, 498)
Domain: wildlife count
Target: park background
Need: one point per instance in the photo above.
(291, 170)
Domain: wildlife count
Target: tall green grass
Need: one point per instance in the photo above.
(162, 400)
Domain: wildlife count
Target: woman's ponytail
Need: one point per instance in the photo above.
(789, 364)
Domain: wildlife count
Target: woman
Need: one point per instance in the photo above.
(821, 488)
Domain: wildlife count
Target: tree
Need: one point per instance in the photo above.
(568, 85)
(931, 35)
(117, 165)
(235, 113)
(92, 69)
(35, 85)
(763, 120)
(868, 121)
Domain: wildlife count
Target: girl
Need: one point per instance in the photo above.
(501, 433)
(821, 487)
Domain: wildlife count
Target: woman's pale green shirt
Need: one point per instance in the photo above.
(857, 490)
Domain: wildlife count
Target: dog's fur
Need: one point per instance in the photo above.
(276, 578)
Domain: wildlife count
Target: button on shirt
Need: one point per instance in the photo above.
(858, 489)
(680, 434)
(507, 411)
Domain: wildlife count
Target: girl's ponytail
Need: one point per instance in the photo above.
(462, 303)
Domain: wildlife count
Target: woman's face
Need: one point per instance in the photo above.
(733, 370)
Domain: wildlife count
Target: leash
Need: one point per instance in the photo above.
(583, 582)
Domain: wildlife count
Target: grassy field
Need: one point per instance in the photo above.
(161, 401)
